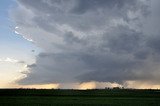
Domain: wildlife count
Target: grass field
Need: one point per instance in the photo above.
(105, 97)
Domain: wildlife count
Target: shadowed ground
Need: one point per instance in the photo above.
(105, 97)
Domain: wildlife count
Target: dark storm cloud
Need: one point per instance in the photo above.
(90, 40)
(70, 38)
(154, 43)
(123, 39)
(83, 6)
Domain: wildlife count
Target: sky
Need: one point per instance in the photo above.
(80, 44)
(15, 52)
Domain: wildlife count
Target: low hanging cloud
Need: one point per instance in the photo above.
(91, 40)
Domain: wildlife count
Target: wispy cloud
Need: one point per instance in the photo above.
(16, 32)
(9, 60)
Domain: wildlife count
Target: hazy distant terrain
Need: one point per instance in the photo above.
(105, 97)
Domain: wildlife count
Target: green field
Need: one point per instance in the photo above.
(105, 97)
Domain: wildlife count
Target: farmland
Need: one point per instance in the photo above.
(103, 97)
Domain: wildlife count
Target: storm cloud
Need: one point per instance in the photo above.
(91, 40)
